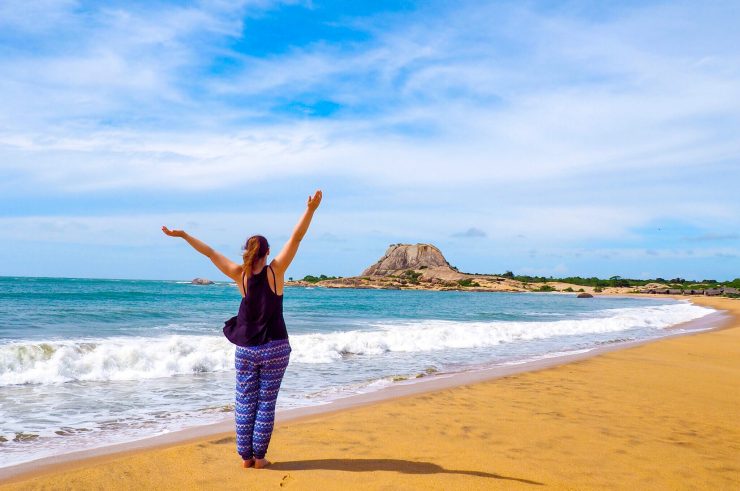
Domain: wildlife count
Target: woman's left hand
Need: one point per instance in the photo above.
(173, 233)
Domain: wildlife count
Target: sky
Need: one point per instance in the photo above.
(545, 138)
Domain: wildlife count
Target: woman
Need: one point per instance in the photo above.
(263, 351)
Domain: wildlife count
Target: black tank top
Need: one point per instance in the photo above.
(260, 318)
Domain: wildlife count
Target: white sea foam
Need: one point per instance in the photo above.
(547, 356)
(433, 335)
(122, 358)
(134, 358)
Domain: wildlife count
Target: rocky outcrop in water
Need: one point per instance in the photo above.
(201, 281)
(423, 267)
(402, 257)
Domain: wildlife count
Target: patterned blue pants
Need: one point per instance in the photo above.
(259, 372)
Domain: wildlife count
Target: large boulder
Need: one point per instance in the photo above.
(201, 281)
(584, 295)
(401, 257)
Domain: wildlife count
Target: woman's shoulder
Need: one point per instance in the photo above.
(275, 267)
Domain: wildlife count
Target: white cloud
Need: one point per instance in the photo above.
(36, 16)
(511, 126)
(551, 228)
(472, 232)
(606, 101)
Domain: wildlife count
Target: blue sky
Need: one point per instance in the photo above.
(554, 138)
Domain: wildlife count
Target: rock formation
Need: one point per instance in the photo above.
(201, 281)
(423, 267)
(402, 257)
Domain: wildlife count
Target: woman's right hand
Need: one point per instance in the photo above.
(315, 200)
(173, 233)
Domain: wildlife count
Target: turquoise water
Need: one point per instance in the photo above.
(87, 362)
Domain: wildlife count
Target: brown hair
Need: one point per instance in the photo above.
(255, 249)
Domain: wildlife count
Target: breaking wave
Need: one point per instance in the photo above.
(134, 358)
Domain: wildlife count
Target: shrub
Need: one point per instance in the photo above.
(412, 276)
(598, 289)
(618, 281)
(734, 283)
(569, 289)
(315, 279)
(546, 288)
(467, 282)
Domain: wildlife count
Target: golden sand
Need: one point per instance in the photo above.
(664, 415)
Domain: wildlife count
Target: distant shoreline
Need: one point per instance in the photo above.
(386, 283)
(498, 286)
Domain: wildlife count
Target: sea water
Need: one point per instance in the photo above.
(91, 362)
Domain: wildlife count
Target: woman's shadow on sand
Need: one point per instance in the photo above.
(395, 465)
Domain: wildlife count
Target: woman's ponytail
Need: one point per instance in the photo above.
(255, 249)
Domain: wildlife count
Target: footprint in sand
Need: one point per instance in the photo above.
(287, 479)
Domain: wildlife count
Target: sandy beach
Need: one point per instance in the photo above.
(662, 415)
(386, 245)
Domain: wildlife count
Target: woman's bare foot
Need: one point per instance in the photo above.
(248, 463)
(261, 463)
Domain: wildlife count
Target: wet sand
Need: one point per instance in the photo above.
(662, 415)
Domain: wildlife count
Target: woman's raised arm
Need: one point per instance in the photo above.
(226, 265)
(286, 255)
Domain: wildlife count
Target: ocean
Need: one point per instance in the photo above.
(91, 362)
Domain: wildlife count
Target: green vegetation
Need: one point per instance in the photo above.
(569, 289)
(315, 279)
(618, 281)
(411, 276)
(733, 284)
(468, 282)
(546, 288)
(598, 289)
